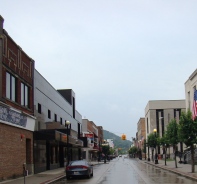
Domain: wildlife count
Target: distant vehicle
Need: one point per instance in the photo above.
(79, 168)
(120, 155)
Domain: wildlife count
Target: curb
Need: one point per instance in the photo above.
(190, 176)
(55, 179)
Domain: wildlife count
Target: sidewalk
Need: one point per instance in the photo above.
(46, 177)
(182, 169)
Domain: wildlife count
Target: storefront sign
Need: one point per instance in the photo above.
(12, 116)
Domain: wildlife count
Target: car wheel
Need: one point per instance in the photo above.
(68, 177)
(89, 175)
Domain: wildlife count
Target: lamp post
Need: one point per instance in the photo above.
(148, 154)
(156, 159)
(67, 123)
(165, 154)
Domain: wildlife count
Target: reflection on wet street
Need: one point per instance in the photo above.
(130, 171)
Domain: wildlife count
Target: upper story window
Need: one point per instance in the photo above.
(39, 108)
(49, 114)
(147, 125)
(24, 95)
(55, 117)
(188, 99)
(10, 87)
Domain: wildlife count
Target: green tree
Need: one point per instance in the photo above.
(106, 150)
(164, 143)
(172, 136)
(133, 150)
(187, 133)
(152, 141)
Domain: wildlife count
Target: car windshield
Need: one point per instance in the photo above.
(80, 162)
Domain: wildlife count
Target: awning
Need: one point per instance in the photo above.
(57, 135)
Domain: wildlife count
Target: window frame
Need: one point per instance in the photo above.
(11, 86)
(24, 95)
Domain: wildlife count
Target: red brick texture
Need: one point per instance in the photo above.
(13, 151)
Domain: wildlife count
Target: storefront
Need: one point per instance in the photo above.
(51, 149)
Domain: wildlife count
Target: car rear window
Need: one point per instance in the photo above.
(78, 163)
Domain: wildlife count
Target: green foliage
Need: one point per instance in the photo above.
(152, 140)
(163, 140)
(187, 129)
(133, 150)
(118, 143)
(187, 133)
(172, 133)
(106, 150)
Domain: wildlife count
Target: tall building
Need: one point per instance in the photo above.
(190, 87)
(158, 113)
(17, 119)
(52, 109)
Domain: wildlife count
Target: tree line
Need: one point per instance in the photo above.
(184, 131)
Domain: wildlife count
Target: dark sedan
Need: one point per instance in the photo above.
(79, 168)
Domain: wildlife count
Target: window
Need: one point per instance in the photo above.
(189, 102)
(39, 108)
(10, 87)
(49, 114)
(147, 126)
(55, 117)
(24, 95)
(61, 121)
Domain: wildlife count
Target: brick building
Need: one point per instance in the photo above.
(16, 108)
(91, 152)
(141, 135)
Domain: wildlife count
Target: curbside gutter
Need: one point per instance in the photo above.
(187, 175)
(55, 179)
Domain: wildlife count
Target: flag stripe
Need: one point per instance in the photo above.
(194, 107)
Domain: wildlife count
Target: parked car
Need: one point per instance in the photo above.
(79, 168)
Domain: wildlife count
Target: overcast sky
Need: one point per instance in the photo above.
(116, 55)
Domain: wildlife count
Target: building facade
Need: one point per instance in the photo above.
(91, 151)
(52, 109)
(17, 119)
(158, 113)
(141, 135)
(190, 87)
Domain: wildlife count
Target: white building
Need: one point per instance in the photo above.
(190, 86)
(111, 143)
(158, 113)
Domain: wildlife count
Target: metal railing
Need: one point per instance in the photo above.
(187, 156)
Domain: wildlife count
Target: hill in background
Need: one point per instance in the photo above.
(118, 142)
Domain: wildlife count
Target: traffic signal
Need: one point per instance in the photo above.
(123, 137)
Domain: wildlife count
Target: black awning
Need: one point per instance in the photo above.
(48, 134)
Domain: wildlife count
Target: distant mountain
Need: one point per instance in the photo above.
(118, 142)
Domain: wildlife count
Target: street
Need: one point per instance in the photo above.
(127, 171)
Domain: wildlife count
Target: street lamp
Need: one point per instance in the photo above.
(67, 123)
(148, 154)
(165, 154)
(156, 159)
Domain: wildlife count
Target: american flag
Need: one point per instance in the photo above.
(194, 107)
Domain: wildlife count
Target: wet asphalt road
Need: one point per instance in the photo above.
(129, 171)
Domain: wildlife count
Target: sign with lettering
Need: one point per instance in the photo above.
(12, 116)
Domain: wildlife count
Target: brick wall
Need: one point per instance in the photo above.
(13, 151)
(16, 62)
